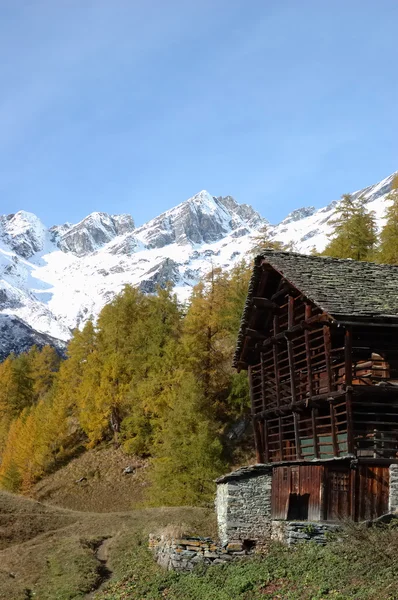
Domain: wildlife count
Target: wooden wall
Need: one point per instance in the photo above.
(329, 492)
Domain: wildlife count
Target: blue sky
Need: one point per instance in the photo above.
(131, 106)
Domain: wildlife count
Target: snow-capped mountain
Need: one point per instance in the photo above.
(53, 280)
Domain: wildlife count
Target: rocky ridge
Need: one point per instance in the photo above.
(52, 280)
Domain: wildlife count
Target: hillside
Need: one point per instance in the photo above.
(57, 554)
(96, 481)
(52, 280)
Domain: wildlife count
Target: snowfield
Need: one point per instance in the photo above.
(53, 280)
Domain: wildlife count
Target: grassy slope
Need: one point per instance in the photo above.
(104, 487)
(362, 567)
(50, 553)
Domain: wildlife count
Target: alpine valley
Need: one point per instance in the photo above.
(53, 280)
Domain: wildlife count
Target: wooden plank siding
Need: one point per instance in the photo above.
(325, 492)
(296, 492)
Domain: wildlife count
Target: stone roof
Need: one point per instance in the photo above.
(343, 288)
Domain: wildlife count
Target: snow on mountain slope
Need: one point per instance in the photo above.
(54, 280)
(312, 227)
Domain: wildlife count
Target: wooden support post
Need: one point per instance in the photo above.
(260, 424)
(266, 441)
(314, 432)
(257, 437)
(334, 431)
(281, 438)
(308, 311)
(290, 353)
(290, 312)
(276, 363)
(263, 386)
(348, 395)
(327, 344)
(297, 435)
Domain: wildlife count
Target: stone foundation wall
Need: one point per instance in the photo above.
(243, 505)
(185, 554)
(393, 495)
(294, 532)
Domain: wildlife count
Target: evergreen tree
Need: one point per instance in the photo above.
(263, 240)
(16, 390)
(44, 365)
(188, 454)
(389, 234)
(354, 234)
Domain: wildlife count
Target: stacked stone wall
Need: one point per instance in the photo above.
(185, 554)
(393, 494)
(295, 532)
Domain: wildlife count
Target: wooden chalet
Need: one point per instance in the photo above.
(319, 338)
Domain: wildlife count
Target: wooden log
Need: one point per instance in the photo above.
(280, 437)
(297, 435)
(266, 441)
(276, 364)
(253, 333)
(263, 387)
(257, 439)
(314, 433)
(348, 381)
(334, 433)
(327, 344)
(308, 311)
(264, 303)
(290, 350)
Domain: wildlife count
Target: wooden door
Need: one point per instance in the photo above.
(338, 493)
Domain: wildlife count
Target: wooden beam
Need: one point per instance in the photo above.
(281, 292)
(263, 303)
(334, 432)
(253, 333)
(314, 432)
(290, 312)
(327, 344)
(280, 438)
(348, 383)
(308, 311)
(290, 319)
(297, 435)
(266, 441)
(257, 439)
(285, 408)
(276, 363)
(263, 388)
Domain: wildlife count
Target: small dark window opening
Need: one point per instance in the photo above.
(248, 545)
(298, 507)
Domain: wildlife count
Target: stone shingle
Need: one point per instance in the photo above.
(340, 287)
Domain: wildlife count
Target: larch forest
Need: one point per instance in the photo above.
(155, 377)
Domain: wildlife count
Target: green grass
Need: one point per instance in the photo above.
(361, 566)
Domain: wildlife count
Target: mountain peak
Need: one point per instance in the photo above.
(93, 232)
(203, 218)
(24, 232)
(298, 214)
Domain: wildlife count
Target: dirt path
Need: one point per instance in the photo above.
(104, 572)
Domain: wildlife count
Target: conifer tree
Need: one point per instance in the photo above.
(389, 234)
(263, 240)
(44, 365)
(188, 454)
(354, 234)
